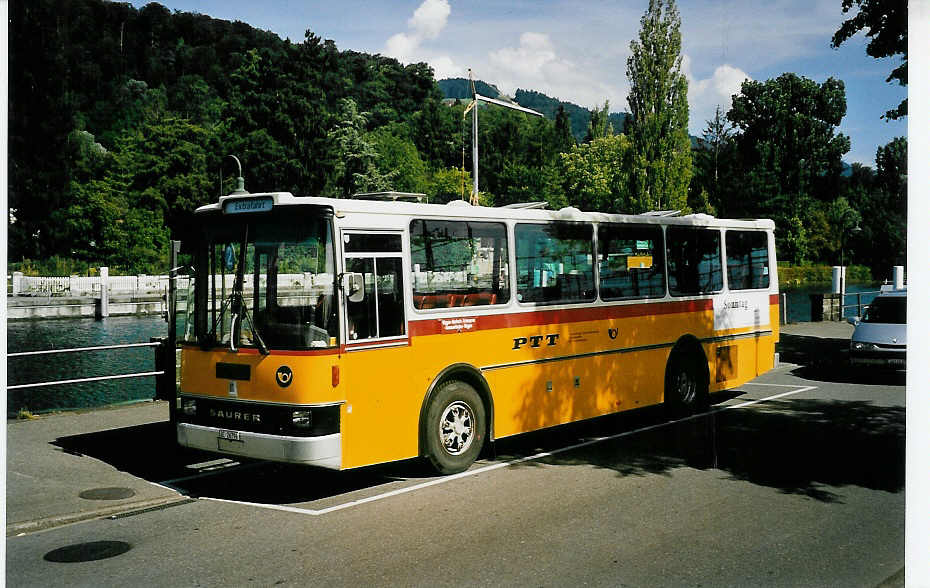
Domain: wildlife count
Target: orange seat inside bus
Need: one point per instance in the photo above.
(426, 301)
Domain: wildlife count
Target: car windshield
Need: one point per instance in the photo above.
(887, 309)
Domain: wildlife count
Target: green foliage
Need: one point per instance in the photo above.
(659, 109)
(460, 88)
(354, 166)
(886, 23)
(579, 118)
(398, 158)
(121, 121)
(712, 168)
(517, 157)
(795, 276)
(599, 125)
(788, 153)
(597, 176)
(881, 199)
(446, 184)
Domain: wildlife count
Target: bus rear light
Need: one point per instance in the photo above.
(301, 419)
(335, 376)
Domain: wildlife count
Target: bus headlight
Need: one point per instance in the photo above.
(301, 419)
(189, 406)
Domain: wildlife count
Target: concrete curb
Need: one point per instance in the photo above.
(26, 527)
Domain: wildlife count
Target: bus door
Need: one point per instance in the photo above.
(377, 365)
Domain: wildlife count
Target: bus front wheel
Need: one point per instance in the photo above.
(455, 427)
(685, 386)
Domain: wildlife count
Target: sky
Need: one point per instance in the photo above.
(576, 50)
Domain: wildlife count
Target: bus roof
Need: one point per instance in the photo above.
(463, 210)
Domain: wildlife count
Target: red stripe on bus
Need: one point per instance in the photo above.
(436, 326)
(254, 351)
(774, 299)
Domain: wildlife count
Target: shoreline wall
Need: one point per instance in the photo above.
(48, 307)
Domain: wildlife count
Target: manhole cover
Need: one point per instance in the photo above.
(91, 551)
(113, 493)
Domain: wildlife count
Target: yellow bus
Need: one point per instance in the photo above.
(344, 333)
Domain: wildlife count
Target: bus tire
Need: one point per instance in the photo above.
(456, 424)
(685, 384)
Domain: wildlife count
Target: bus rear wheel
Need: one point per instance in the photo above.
(455, 427)
(685, 385)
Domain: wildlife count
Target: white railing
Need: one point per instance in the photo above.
(139, 285)
(85, 286)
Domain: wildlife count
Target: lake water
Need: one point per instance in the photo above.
(36, 335)
(799, 303)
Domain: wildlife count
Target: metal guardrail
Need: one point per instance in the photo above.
(82, 380)
(858, 305)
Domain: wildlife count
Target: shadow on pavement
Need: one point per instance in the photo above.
(797, 446)
(827, 360)
(151, 453)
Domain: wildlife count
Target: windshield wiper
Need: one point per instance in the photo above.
(237, 307)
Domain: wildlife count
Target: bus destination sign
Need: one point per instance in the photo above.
(246, 205)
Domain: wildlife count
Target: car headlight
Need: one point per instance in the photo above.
(856, 346)
(301, 419)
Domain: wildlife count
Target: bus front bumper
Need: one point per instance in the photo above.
(323, 451)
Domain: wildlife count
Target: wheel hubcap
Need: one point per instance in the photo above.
(456, 428)
(687, 387)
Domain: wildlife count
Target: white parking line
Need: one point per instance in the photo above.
(497, 466)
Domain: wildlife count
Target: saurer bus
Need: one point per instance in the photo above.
(346, 332)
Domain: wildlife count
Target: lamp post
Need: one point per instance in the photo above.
(854, 230)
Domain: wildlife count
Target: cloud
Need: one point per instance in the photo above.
(427, 22)
(430, 18)
(705, 95)
(536, 65)
(401, 46)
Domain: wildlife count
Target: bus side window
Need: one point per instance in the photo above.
(747, 260)
(694, 265)
(458, 263)
(555, 262)
(631, 261)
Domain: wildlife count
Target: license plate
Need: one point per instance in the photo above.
(228, 435)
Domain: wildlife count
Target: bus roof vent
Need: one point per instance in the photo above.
(661, 213)
(539, 204)
(569, 210)
(390, 196)
(700, 216)
(458, 203)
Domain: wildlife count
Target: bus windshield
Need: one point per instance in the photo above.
(269, 284)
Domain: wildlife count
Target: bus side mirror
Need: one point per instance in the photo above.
(354, 286)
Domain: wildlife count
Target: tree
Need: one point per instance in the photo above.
(596, 175)
(659, 109)
(564, 140)
(712, 159)
(883, 205)
(599, 126)
(886, 23)
(354, 168)
(398, 158)
(788, 150)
